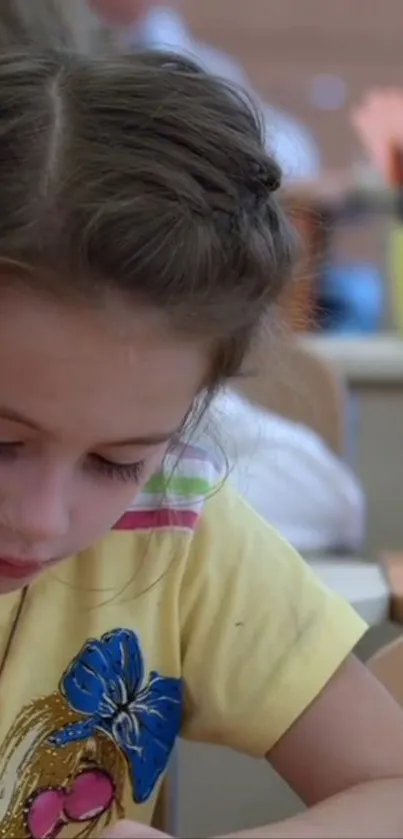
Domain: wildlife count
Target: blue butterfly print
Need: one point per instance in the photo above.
(105, 684)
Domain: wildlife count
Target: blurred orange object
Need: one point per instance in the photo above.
(396, 163)
(307, 204)
(298, 302)
(379, 124)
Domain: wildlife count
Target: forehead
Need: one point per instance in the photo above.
(104, 374)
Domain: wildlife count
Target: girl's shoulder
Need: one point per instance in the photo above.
(175, 496)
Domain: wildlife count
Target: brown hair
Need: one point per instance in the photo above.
(145, 175)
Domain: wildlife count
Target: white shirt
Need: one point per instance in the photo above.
(287, 473)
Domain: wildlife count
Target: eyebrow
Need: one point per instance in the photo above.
(146, 440)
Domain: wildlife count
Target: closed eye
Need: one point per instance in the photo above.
(118, 471)
(10, 451)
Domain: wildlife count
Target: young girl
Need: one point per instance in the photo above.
(142, 245)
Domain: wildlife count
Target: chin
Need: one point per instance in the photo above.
(7, 586)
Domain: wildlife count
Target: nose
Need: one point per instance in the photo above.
(42, 513)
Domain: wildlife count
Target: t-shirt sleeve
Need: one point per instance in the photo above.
(261, 636)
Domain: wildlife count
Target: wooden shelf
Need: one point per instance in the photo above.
(374, 360)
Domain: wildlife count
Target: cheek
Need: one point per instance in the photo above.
(91, 504)
(98, 510)
(106, 501)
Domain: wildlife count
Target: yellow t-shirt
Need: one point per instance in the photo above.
(192, 616)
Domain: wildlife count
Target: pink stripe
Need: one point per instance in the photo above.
(156, 519)
(191, 452)
(187, 450)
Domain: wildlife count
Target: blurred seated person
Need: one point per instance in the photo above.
(287, 473)
(162, 26)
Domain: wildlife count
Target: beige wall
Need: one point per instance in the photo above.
(283, 44)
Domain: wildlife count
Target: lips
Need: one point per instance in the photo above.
(19, 569)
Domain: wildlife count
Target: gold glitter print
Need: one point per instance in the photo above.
(49, 792)
(93, 751)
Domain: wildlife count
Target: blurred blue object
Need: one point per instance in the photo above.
(351, 298)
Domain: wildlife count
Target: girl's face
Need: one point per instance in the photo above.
(89, 400)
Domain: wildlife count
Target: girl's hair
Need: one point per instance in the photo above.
(144, 175)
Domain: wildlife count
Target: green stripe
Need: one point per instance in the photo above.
(180, 485)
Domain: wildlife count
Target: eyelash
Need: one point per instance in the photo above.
(106, 468)
(118, 471)
(9, 451)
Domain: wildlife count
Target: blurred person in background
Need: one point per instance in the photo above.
(161, 25)
(286, 472)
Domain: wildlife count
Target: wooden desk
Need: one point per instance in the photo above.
(373, 370)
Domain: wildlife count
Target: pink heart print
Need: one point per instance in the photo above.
(88, 797)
